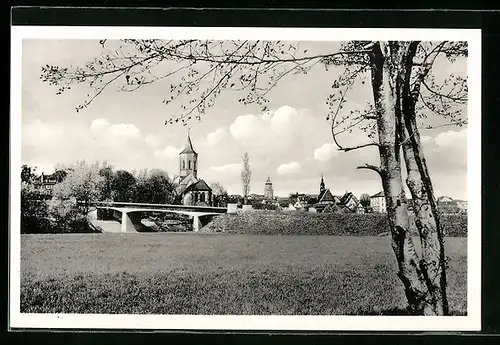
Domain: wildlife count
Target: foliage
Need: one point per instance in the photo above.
(123, 186)
(307, 223)
(364, 199)
(82, 183)
(246, 175)
(34, 211)
(27, 173)
(221, 198)
(154, 187)
(219, 274)
(106, 187)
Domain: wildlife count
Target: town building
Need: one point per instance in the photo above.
(45, 183)
(268, 189)
(191, 189)
(348, 202)
(377, 202)
(325, 197)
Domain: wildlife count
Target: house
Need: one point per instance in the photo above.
(360, 209)
(349, 202)
(462, 206)
(45, 183)
(377, 202)
(447, 205)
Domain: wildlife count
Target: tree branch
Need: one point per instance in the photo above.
(375, 168)
(347, 149)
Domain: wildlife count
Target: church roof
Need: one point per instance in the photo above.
(198, 186)
(325, 195)
(188, 147)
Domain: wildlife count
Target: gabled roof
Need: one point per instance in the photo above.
(200, 185)
(188, 147)
(325, 195)
(378, 195)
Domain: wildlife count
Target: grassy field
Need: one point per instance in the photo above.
(219, 274)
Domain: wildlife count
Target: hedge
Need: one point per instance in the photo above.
(305, 223)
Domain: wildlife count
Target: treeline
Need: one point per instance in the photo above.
(58, 211)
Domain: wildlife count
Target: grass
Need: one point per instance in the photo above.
(219, 274)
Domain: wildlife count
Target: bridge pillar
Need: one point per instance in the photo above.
(127, 225)
(92, 215)
(196, 223)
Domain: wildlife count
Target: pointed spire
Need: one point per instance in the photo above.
(322, 185)
(188, 147)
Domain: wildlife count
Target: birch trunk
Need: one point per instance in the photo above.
(432, 263)
(390, 171)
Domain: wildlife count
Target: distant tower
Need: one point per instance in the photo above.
(268, 190)
(322, 185)
(188, 160)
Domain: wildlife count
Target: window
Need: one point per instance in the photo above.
(183, 164)
(189, 164)
(202, 197)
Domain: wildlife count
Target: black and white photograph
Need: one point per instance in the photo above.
(244, 178)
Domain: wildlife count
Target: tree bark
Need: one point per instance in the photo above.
(383, 83)
(432, 263)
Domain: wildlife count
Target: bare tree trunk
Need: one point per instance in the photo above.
(433, 263)
(427, 228)
(390, 172)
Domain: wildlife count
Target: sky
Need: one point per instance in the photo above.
(291, 143)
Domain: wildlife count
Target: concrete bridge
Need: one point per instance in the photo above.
(125, 212)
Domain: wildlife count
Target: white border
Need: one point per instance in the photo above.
(471, 322)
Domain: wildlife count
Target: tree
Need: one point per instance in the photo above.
(154, 187)
(34, 211)
(220, 194)
(246, 176)
(404, 92)
(123, 186)
(364, 199)
(106, 187)
(80, 185)
(27, 173)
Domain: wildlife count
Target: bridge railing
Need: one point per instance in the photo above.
(156, 206)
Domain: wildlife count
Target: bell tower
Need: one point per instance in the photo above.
(188, 160)
(268, 189)
(322, 184)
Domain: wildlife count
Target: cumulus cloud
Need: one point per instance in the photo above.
(289, 168)
(152, 140)
(325, 152)
(452, 139)
(216, 136)
(122, 145)
(273, 130)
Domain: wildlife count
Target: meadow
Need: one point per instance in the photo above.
(187, 273)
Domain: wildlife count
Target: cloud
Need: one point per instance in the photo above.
(289, 168)
(216, 136)
(325, 152)
(152, 140)
(169, 153)
(452, 139)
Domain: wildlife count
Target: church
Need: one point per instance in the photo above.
(191, 189)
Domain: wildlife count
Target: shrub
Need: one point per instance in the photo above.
(306, 223)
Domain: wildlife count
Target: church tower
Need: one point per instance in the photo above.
(322, 185)
(188, 160)
(268, 190)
